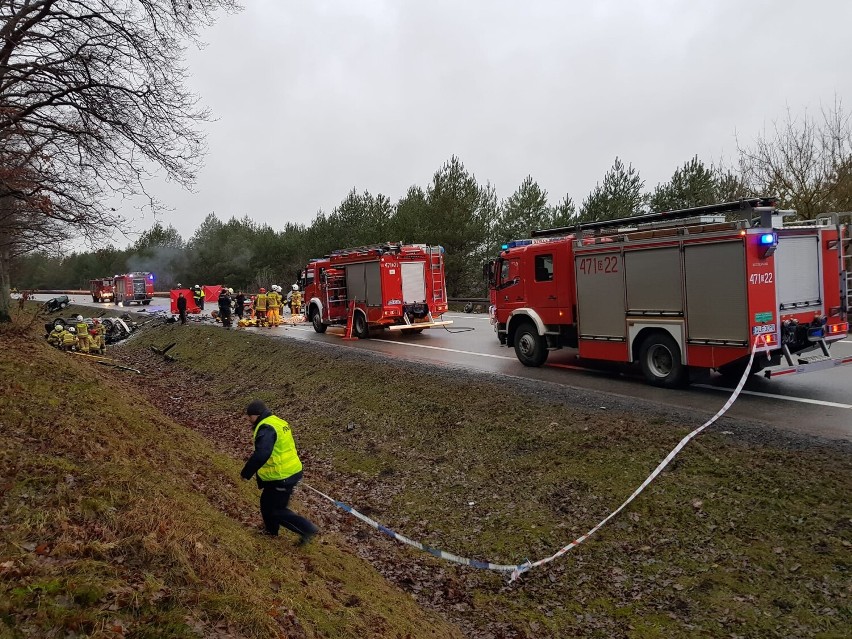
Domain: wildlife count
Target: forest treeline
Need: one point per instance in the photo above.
(806, 162)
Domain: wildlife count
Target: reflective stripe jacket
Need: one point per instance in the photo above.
(283, 461)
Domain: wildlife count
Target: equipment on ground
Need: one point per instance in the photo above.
(392, 286)
(680, 291)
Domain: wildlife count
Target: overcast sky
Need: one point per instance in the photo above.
(313, 98)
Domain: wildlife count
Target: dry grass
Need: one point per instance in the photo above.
(117, 522)
(746, 534)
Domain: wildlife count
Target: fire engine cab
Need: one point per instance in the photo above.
(696, 289)
(398, 286)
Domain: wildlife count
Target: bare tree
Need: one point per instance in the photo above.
(804, 161)
(92, 95)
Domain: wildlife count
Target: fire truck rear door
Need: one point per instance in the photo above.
(413, 282)
(797, 264)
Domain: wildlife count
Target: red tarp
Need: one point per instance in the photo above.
(211, 299)
(190, 302)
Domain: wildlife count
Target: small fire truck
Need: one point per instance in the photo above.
(134, 287)
(680, 291)
(397, 286)
(101, 289)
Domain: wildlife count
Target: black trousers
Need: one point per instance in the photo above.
(182, 316)
(273, 508)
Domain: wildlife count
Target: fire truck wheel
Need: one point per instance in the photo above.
(316, 320)
(530, 347)
(95, 299)
(659, 358)
(359, 326)
(146, 302)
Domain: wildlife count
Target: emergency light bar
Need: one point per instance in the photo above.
(537, 240)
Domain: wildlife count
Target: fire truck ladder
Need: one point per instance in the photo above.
(740, 207)
(387, 247)
(846, 272)
(336, 296)
(437, 273)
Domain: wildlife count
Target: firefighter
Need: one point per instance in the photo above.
(225, 307)
(278, 469)
(54, 338)
(260, 307)
(83, 341)
(69, 338)
(295, 299)
(97, 336)
(198, 296)
(273, 306)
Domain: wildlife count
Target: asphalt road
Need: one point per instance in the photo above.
(817, 403)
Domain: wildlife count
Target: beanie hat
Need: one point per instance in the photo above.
(256, 407)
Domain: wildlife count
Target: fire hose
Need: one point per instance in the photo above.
(516, 570)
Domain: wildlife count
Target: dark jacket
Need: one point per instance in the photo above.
(181, 303)
(224, 302)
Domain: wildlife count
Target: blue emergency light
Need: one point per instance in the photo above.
(768, 243)
(151, 276)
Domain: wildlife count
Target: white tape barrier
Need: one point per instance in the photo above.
(517, 570)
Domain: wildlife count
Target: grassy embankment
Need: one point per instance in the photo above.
(748, 532)
(116, 521)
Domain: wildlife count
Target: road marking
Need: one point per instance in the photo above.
(802, 400)
(441, 348)
(454, 350)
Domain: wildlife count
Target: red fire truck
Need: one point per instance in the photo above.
(134, 287)
(680, 291)
(101, 289)
(394, 286)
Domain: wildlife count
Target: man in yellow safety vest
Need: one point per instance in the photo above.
(273, 306)
(260, 307)
(278, 470)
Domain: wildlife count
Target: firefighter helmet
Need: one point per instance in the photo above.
(196, 286)
(79, 318)
(230, 291)
(295, 287)
(71, 329)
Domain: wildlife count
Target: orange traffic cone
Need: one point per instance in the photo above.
(349, 322)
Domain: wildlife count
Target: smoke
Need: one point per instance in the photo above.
(165, 262)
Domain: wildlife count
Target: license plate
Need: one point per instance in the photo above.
(763, 329)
